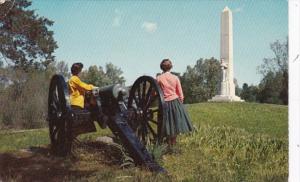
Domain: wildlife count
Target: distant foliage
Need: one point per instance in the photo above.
(114, 73)
(201, 82)
(278, 63)
(94, 75)
(62, 68)
(98, 76)
(24, 98)
(270, 88)
(274, 85)
(249, 93)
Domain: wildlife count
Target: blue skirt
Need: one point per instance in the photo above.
(176, 120)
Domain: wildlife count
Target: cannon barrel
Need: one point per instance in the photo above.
(109, 96)
(112, 91)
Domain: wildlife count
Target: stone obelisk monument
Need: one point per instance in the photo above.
(227, 87)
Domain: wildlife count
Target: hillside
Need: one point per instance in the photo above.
(267, 119)
(232, 142)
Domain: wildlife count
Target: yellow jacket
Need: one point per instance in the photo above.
(77, 89)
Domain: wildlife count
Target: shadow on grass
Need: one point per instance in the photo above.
(37, 164)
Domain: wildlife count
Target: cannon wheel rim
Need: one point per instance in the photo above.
(147, 127)
(58, 112)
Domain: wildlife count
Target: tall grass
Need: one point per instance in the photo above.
(229, 154)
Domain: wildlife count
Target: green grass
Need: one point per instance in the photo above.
(233, 142)
(256, 118)
(229, 154)
(14, 141)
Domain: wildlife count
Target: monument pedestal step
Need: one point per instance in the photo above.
(226, 98)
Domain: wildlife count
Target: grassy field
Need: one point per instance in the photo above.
(233, 142)
(255, 118)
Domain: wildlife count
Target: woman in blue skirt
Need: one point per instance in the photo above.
(177, 119)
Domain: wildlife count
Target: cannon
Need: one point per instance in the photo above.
(134, 116)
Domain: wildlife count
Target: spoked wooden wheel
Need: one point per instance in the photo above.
(147, 103)
(58, 114)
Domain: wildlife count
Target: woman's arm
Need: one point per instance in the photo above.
(179, 90)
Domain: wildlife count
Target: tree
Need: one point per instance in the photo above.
(284, 90)
(249, 93)
(114, 73)
(62, 68)
(97, 76)
(211, 69)
(23, 98)
(25, 40)
(274, 85)
(278, 63)
(201, 82)
(270, 88)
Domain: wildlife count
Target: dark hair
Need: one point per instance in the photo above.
(76, 68)
(166, 65)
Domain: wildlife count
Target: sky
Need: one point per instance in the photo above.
(137, 35)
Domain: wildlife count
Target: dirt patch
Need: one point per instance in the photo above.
(37, 163)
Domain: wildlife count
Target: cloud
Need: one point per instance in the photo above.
(117, 20)
(149, 27)
(238, 10)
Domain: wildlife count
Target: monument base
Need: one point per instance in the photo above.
(226, 98)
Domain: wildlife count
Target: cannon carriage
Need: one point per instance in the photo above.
(134, 116)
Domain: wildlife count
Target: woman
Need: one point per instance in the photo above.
(177, 120)
(77, 88)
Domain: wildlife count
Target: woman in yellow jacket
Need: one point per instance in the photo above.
(77, 88)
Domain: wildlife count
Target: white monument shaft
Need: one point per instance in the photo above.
(227, 87)
(227, 48)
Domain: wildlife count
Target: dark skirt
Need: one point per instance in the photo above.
(176, 120)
